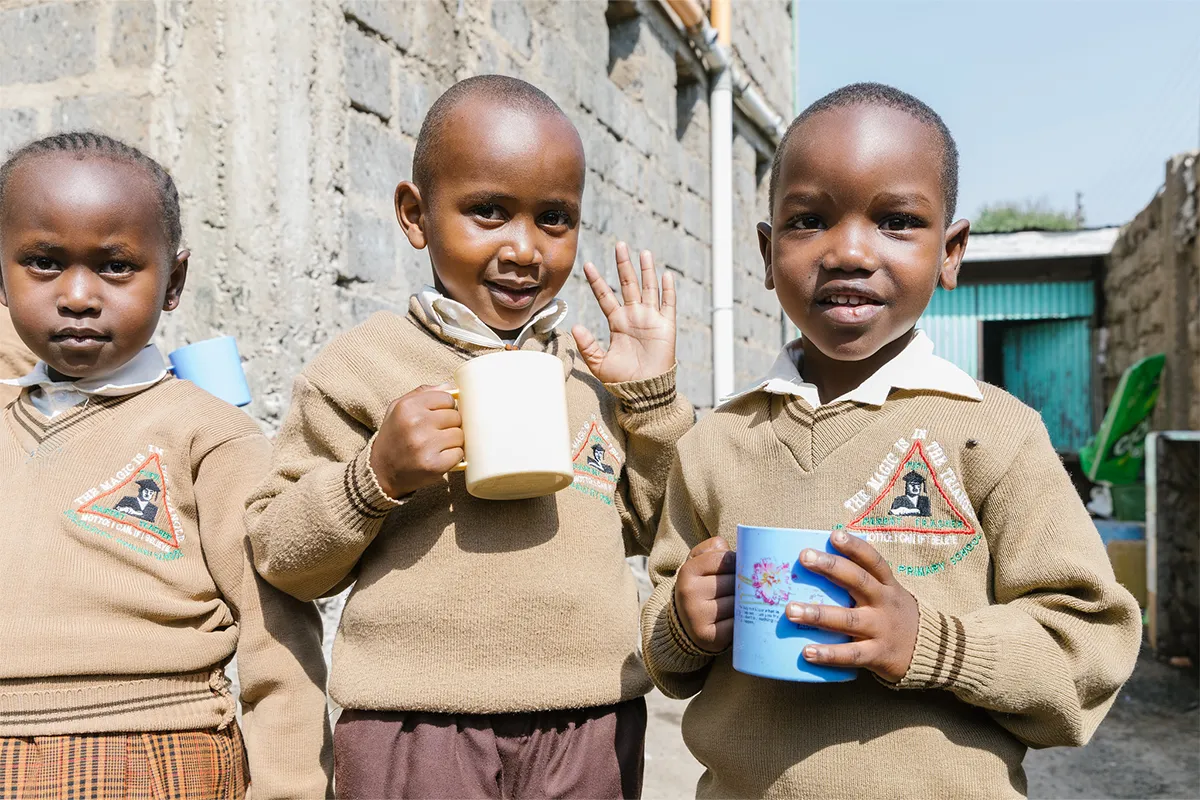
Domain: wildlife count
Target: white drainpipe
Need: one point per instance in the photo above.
(720, 103)
(726, 82)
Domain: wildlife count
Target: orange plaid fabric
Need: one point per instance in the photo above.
(180, 765)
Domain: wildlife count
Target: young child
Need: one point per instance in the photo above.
(987, 618)
(127, 579)
(489, 648)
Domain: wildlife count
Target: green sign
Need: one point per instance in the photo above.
(1115, 453)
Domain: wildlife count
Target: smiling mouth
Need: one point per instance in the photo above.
(849, 309)
(514, 297)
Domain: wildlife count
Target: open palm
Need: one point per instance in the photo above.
(641, 332)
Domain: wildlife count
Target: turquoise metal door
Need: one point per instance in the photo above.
(1047, 365)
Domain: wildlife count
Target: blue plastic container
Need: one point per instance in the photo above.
(769, 575)
(215, 366)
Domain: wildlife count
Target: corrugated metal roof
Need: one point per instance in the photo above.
(1040, 244)
(952, 318)
(1035, 300)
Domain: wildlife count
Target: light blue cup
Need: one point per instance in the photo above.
(215, 366)
(769, 576)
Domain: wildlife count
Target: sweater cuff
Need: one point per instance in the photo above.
(680, 635)
(668, 650)
(949, 654)
(362, 487)
(639, 397)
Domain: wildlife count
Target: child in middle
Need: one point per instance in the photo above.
(489, 648)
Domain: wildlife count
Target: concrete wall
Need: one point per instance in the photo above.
(288, 124)
(1152, 295)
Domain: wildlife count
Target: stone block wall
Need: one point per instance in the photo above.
(288, 125)
(74, 65)
(1152, 296)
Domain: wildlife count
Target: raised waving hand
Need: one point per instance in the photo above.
(641, 330)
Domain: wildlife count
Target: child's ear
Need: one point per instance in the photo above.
(177, 278)
(956, 246)
(409, 214)
(764, 247)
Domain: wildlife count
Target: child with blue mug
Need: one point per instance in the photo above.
(986, 618)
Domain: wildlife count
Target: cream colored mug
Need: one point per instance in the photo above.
(514, 419)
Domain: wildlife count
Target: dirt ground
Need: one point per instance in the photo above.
(1147, 747)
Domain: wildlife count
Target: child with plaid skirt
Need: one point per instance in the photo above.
(128, 583)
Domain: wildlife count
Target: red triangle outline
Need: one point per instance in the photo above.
(88, 508)
(594, 427)
(887, 493)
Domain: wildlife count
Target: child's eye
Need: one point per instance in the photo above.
(116, 268)
(901, 222)
(555, 219)
(808, 222)
(488, 211)
(42, 264)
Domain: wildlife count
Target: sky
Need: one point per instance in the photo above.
(1044, 97)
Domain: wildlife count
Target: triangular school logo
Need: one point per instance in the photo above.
(913, 501)
(596, 460)
(139, 503)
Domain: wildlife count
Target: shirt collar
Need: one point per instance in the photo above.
(140, 372)
(461, 323)
(916, 368)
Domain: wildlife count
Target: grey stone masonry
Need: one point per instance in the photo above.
(43, 42)
(288, 125)
(134, 34)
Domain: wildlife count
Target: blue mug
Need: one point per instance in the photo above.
(215, 366)
(769, 576)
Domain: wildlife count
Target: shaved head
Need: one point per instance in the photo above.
(500, 90)
(878, 94)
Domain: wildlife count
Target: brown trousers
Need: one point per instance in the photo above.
(583, 753)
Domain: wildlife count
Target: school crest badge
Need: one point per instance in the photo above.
(915, 497)
(913, 501)
(132, 509)
(597, 461)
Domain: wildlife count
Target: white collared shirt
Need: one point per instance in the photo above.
(461, 323)
(52, 397)
(915, 368)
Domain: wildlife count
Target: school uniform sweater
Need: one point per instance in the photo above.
(465, 605)
(128, 584)
(15, 358)
(1024, 635)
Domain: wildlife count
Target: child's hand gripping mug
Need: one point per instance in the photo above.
(769, 575)
(215, 366)
(514, 419)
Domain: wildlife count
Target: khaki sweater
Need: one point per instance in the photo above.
(465, 605)
(1024, 637)
(128, 584)
(15, 358)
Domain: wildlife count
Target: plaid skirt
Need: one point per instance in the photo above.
(180, 765)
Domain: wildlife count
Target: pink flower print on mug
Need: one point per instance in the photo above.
(772, 582)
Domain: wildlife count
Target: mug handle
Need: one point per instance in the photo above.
(462, 465)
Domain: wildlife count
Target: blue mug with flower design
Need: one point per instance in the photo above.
(769, 576)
